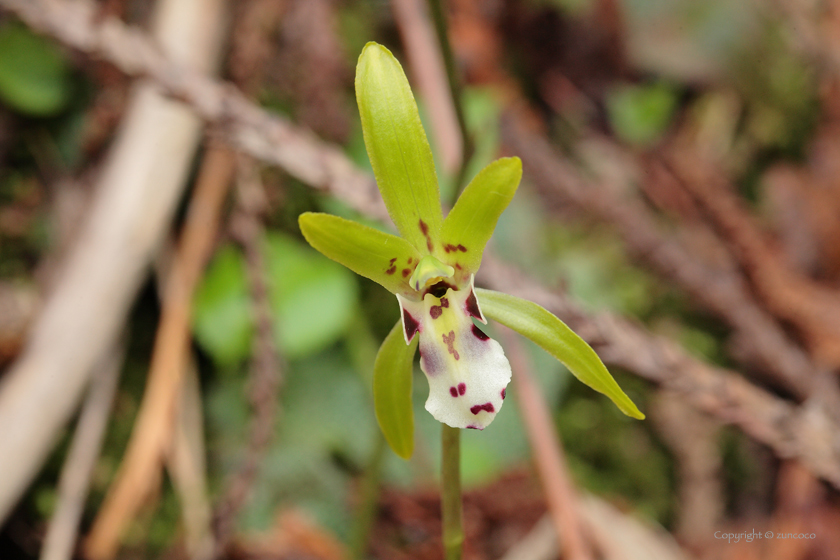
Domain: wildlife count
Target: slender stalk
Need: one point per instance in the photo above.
(439, 18)
(453, 529)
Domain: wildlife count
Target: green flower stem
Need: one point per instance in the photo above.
(439, 18)
(453, 529)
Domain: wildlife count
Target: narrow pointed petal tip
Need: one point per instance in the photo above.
(397, 147)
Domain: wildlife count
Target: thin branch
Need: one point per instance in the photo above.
(81, 459)
(264, 379)
(151, 436)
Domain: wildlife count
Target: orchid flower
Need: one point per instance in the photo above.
(431, 269)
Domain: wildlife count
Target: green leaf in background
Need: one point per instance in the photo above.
(382, 257)
(313, 298)
(221, 312)
(533, 322)
(312, 301)
(397, 146)
(34, 76)
(472, 220)
(392, 375)
(639, 114)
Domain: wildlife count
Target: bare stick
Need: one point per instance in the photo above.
(264, 378)
(151, 436)
(81, 459)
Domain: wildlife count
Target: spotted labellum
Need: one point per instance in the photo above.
(431, 269)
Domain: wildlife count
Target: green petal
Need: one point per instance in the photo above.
(469, 225)
(534, 322)
(392, 374)
(397, 147)
(386, 259)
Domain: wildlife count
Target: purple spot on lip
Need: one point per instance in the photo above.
(479, 407)
(479, 334)
(435, 311)
(410, 325)
(504, 393)
(473, 427)
(444, 302)
(462, 388)
(453, 391)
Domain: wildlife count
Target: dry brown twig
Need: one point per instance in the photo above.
(60, 541)
(265, 377)
(808, 431)
(151, 437)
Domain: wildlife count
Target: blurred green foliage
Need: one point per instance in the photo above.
(34, 75)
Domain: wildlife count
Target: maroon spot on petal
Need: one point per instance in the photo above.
(479, 407)
(444, 302)
(479, 334)
(458, 266)
(410, 260)
(423, 227)
(504, 393)
(429, 245)
(392, 261)
(461, 248)
(472, 306)
(453, 391)
(462, 388)
(410, 325)
(435, 311)
(391, 270)
(449, 340)
(449, 247)
(406, 272)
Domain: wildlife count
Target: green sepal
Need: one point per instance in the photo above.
(384, 258)
(392, 375)
(534, 322)
(397, 146)
(470, 223)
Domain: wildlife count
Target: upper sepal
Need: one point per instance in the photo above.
(386, 259)
(397, 146)
(532, 321)
(392, 373)
(470, 223)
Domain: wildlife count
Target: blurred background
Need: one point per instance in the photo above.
(181, 376)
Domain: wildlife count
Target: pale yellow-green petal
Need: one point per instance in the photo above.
(392, 374)
(534, 322)
(386, 259)
(470, 223)
(397, 146)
